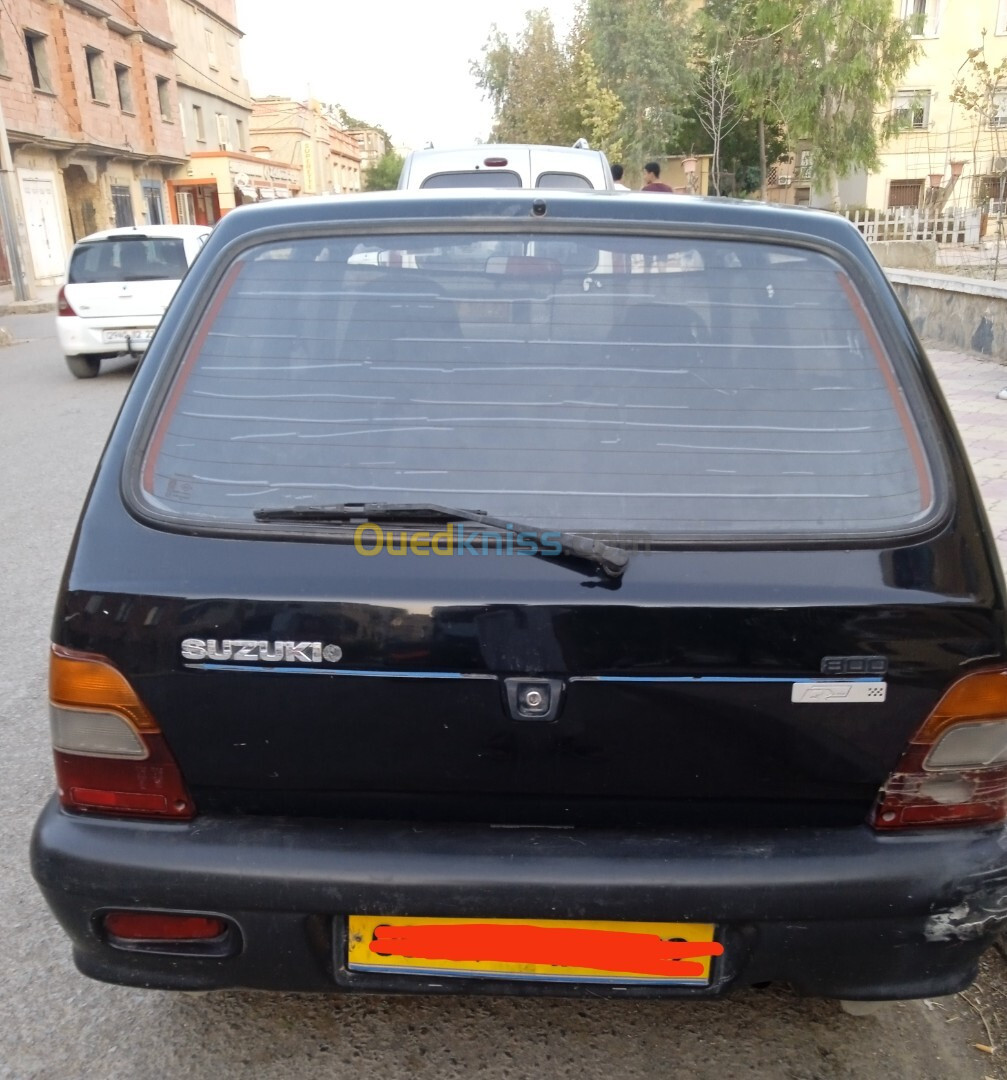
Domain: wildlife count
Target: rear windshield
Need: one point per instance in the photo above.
(128, 259)
(564, 180)
(481, 179)
(609, 385)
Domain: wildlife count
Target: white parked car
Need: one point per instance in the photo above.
(118, 284)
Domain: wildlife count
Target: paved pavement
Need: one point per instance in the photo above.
(971, 386)
(57, 1025)
(43, 299)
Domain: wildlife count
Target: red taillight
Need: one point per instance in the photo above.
(494, 162)
(162, 926)
(109, 752)
(63, 306)
(954, 771)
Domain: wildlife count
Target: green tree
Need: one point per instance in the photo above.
(641, 51)
(599, 107)
(383, 175)
(351, 123)
(823, 70)
(739, 151)
(531, 84)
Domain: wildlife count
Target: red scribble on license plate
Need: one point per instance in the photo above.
(572, 947)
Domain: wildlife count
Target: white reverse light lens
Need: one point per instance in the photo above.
(970, 746)
(95, 733)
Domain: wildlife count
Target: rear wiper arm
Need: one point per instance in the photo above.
(610, 559)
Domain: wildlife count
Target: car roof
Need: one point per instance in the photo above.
(420, 165)
(485, 150)
(181, 232)
(539, 208)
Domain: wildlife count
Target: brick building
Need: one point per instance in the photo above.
(89, 95)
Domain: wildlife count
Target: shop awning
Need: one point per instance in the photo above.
(248, 192)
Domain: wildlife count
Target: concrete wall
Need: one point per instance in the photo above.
(959, 312)
(906, 254)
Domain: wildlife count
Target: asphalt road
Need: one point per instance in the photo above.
(54, 1023)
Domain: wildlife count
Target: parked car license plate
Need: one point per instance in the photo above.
(534, 949)
(123, 335)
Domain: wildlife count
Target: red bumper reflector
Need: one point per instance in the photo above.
(82, 797)
(159, 926)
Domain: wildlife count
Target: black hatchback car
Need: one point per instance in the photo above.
(523, 592)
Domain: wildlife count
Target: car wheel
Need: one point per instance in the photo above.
(83, 367)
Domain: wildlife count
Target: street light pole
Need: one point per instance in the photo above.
(8, 217)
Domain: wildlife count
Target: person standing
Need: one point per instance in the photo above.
(652, 179)
(617, 172)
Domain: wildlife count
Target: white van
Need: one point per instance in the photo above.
(508, 165)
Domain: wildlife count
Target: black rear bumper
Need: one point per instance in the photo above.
(840, 913)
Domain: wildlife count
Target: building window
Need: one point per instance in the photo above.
(125, 90)
(38, 61)
(223, 132)
(991, 192)
(185, 208)
(242, 137)
(95, 73)
(1001, 25)
(197, 120)
(232, 61)
(998, 115)
(911, 108)
(152, 203)
(923, 17)
(122, 203)
(211, 49)
(905, 193)
(163, 98)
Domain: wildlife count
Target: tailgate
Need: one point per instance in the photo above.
(121, 300)
(653, 714)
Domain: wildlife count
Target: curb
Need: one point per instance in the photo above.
(27, 307)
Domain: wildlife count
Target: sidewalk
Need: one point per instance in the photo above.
(970, 385)
(44, 299)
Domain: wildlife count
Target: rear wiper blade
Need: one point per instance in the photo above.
(610, 559)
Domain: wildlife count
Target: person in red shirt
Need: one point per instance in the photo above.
(652, 176)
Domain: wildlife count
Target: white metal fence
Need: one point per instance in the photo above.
(950, 226)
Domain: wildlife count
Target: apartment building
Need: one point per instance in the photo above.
(946, 155)
(89, 96)
(215, 113)
(307, 134)
(372, 146)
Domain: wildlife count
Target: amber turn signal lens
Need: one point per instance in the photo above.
(80, 680)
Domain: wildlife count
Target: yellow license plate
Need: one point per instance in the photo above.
(538, 949)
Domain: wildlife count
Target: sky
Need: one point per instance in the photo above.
(399, 64)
